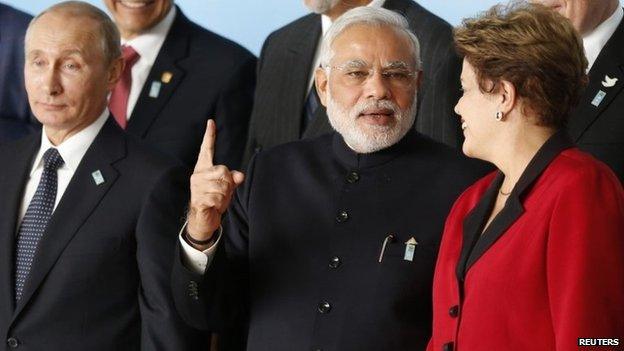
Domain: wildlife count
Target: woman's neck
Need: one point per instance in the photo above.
(520, 149)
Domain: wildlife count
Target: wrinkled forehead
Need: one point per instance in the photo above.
(372, 45)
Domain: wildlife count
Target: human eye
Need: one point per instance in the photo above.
(71, 66)
(356, 74)
(397, 75)
(37, 62)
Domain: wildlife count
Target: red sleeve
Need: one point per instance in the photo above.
(585, 260)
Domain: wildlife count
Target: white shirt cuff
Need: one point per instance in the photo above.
(195, 260)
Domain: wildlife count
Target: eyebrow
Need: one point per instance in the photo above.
(63, 53)
(358, 63)
(396, 65)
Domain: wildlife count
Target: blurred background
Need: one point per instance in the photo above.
(249, 22)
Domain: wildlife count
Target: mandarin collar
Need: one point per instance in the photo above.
(360, 161)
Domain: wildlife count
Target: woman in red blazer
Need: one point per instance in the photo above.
(532, 256)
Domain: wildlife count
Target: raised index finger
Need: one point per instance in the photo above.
(206, 151)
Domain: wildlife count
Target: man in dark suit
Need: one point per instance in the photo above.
(15, 118)
(331, 242)
(85, 252)
(286, 107)
(178, 75)
(596, 124)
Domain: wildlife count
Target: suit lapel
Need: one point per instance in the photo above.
(78, 202)
(298, 62)
(166, 73)
(12, 182)
(474, 221)
(610, 63)
(475, 244)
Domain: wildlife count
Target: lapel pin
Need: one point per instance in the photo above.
(410, 247)
(98, 178)
(608, 82)
(598, 98)
(166, 77)
(155, 89)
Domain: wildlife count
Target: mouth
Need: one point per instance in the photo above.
(51, 106)
(134, 5)
(377, 116)
(464, 125)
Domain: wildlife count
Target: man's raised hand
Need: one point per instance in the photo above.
(212, 188)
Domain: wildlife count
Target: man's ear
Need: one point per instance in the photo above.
(320, 80)
(114, 72)
(419, 79)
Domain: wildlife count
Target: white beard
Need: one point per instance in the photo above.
(321, 6)
(369, 138)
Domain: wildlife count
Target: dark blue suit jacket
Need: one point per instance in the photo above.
(15, 117)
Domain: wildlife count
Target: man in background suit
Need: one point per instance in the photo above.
(15, 118)
(597, 124)
(286, 106)
(179, 75)
(85, 252)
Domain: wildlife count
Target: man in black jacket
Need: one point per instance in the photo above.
(286, 106)
(179, 75)
(85, 249)
(331, 242)
(596, 125)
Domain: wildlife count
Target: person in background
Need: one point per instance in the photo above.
(596, 124)
(86, 211)
(330, 243)
(286, 105)
(177, 76)
(16, 120)
(532, 256)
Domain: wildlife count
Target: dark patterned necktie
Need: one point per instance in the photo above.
(36, 219)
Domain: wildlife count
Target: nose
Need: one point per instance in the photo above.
(456, 108)
(377, 87)
(50, 82)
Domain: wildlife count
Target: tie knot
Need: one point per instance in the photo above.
(130, 56)
(52, 160)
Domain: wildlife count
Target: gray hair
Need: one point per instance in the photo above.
(368, 16)
(108, 32)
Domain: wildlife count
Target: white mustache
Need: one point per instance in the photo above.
(376, 105)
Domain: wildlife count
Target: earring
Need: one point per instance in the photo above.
(499, 116)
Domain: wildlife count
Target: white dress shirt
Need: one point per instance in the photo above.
(71, 150)
(198, 261)
(326, 22)
(147, 45)
(596, 39)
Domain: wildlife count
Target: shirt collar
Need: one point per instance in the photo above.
(596, 39)
(361, 161)
(148, 44)
(326, 22)
(74, 148)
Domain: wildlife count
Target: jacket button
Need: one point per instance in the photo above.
(13, 343)
(334, 262)
(353, 177)
(324, 307)
(447, 347)
(454, 311)
(342, 216)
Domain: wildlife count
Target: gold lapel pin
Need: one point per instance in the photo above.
(166, 77)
